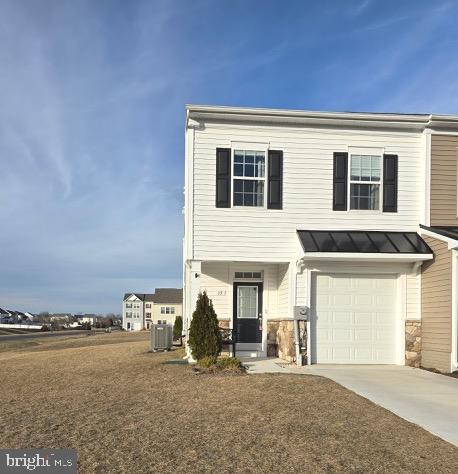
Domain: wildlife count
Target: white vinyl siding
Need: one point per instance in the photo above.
(283, 290)
(217, 280)
(413, 296)
(257, 233)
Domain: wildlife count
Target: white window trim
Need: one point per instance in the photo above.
(249, 280)
(350, 182)
(258, 149)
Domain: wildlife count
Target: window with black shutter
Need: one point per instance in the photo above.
(340, 171)
(223, 177)
(275, 182)
(390, 183)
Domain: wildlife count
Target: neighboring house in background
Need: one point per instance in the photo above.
(140, 310)
(167, 305)
(133, 311)
(5, 316)
(85, 318)
(322, 210)
(14, 316)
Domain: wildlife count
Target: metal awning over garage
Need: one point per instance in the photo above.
(363, 245)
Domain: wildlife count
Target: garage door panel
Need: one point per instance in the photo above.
(341, 334)
(340, 352)
(341, 300)
(382, 335)
(363, 300)
(363, 335)
(339, 284)
(355, 319)
(325, 300)
(363, 353)
(325, 337)
(340, 318)
(362, 318)
(384, 300)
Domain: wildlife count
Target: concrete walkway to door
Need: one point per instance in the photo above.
(430, 400)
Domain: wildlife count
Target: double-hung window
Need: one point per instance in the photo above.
(249, 178)
(365, 179)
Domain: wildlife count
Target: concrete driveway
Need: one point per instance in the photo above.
(427, 399)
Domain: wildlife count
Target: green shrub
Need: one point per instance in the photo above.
(229, 363)
(178, 328)
(204, 333)
(207, 362)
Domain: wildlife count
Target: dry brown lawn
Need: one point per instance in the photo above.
(124, 410)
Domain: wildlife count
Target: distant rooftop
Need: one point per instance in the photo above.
(160, 296)
(168, 295)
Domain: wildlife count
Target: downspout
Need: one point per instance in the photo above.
(300, 265)
(297, 343)
(454, 351)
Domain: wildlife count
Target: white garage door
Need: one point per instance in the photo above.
(355, 320)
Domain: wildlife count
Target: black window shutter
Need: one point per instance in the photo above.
(275, 181)
(390, 183)
(339, 197)
(223, 177)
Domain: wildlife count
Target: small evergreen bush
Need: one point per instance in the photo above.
(204, 333)
(206, 362)
(229, 364)
(178, 328)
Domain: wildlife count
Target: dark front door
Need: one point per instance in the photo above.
(248, 312)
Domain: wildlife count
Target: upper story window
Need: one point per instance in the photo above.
(365, 179)
(148, 305)
(249, 178)
(128, 305)
(167, 310)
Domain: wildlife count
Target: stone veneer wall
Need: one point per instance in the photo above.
(225, 324)
(280, 340)
(413, 343)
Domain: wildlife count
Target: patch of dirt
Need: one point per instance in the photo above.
(450, 374)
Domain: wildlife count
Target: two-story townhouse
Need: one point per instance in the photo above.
(319, 210)
(439, 326)
(140, 310)
(133, 311)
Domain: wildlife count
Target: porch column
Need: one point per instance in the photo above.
(195, 271)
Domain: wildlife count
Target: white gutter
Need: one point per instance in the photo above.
(200, 110)
(360, 119)
(452, 243)
(366, 257)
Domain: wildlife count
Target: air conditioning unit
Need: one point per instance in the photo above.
(161, 337)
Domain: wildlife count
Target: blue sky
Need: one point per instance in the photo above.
(92, 97)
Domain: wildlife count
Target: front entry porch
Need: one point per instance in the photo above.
(254, 304)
